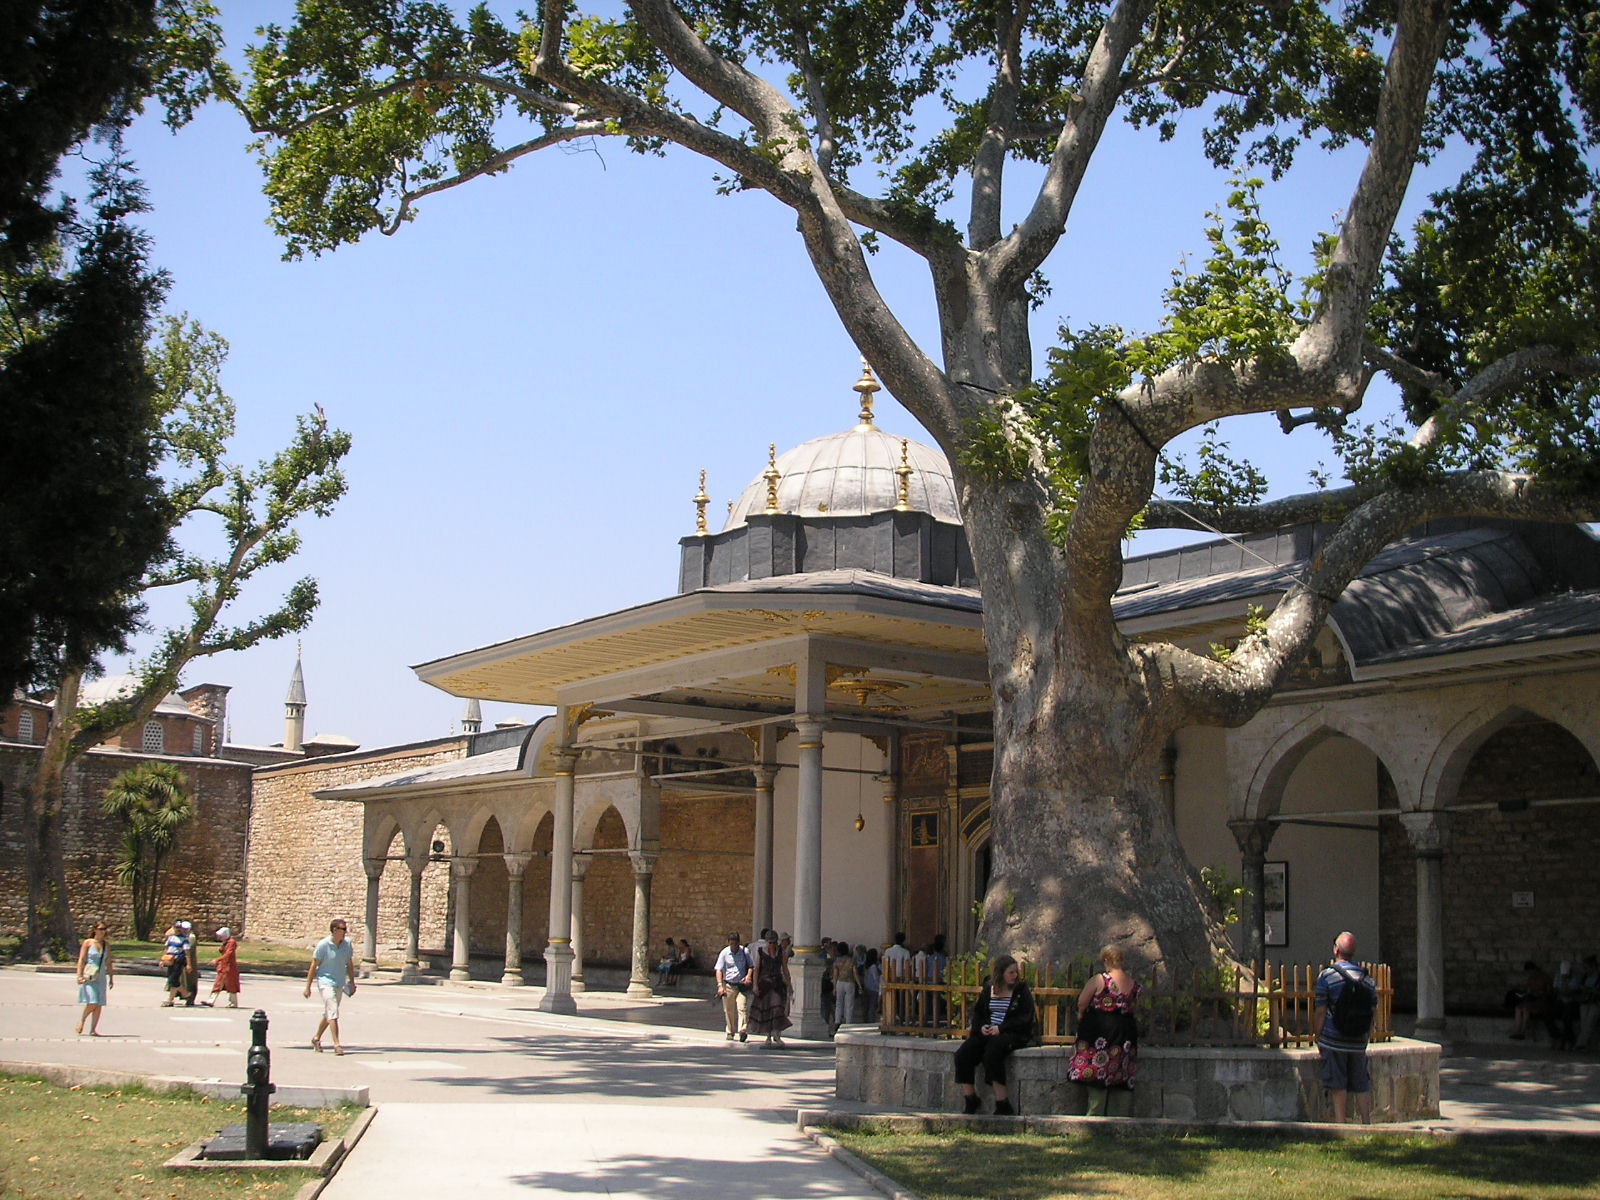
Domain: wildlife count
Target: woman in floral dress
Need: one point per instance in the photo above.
(1105, 1058)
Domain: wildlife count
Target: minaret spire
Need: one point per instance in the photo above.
(294, 707)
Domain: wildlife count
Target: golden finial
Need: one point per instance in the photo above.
(771, 476)
(904, 471)
(867, 386)
(730, 510)
(700, 502)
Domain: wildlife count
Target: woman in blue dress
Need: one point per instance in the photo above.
(96, 974)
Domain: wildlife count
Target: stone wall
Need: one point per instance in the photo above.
(706, 875)
(1519, 883)
(305, 853)
(203, 878)
(1184, 1083)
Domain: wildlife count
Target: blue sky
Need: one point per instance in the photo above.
(536, 370)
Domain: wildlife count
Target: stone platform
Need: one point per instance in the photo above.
(1183, 1083)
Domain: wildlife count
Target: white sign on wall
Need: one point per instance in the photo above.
(1521, 899)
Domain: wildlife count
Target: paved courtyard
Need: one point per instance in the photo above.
(481, 1093)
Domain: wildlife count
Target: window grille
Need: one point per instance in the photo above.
(155, 741)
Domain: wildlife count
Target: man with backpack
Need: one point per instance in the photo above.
(1346, 1004)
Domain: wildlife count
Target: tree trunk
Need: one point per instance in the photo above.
(1084, 851)
(50, 928)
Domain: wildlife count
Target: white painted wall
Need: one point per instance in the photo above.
(856, 867)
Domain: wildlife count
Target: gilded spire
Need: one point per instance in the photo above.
(700, 502)
(904, 471)
(772, 476)
(867, 387)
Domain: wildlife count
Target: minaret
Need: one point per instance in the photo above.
(472, 719)
(294, 709)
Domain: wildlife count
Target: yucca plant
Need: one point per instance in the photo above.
(152, 803)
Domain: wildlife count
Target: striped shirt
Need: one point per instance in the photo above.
(998, 1009)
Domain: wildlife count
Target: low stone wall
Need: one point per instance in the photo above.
(1183, 1083)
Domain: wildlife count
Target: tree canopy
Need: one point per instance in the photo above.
(908, 122)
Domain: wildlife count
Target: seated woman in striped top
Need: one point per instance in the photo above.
(1002, 1021)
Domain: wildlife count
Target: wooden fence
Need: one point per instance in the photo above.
(1233, 1006)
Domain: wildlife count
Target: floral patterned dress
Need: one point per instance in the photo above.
(1106, 1053)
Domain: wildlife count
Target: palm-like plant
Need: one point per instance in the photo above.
(152, 802)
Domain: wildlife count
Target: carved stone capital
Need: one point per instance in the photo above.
(1429, 832)
(644, 861)
(462, 868)
(1253, 836)
(516, 864)
(580, 867)
(374, 866)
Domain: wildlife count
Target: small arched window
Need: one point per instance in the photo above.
(155, 741)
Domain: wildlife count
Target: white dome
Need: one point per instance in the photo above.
(852, 474)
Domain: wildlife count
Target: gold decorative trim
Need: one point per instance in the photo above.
(866, 387)
(701, 499)
(772, 476)
(904, 471)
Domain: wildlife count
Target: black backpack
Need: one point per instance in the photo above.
(1356, 1005)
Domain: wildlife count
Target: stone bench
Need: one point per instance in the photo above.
(1183, 1083)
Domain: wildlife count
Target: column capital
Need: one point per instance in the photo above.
(766, 774)
(644, 861)
(1254, 835)
(517, 863)
(580, 866)
(810, 728)
(566, 759)
(374, 866)
(1428, 831)
(462, 867)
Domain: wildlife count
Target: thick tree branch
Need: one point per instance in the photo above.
(726, 82)
(827, 139)
(1499, 377)
(988, 165)
(1025, 249)
(1334, 339)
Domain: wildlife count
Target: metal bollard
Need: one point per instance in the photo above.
(258, 1087)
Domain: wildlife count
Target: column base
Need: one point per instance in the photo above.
(557, 996)
(806, 970)
(411, 973)
(511, 979)
(368, 968)
(578, 985)
(639, 990)
(460, 975)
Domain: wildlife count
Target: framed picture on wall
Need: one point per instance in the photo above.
(1275, 902)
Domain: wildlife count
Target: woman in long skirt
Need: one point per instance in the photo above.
(769, 1005)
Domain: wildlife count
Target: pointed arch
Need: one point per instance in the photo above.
(1455, 751)
(1264, 795)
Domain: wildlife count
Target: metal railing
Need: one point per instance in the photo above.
(1228, 1006)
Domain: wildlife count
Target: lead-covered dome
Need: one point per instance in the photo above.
(854, 473)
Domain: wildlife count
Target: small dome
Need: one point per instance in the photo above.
(852, 474)
(107, 688)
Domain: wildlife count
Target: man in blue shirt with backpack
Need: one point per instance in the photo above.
(1346, 1003)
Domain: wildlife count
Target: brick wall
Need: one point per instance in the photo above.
(705, 876)
(1548, 851)
(305, 853)
(202, 879)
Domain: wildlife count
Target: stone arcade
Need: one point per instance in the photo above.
(800, 737)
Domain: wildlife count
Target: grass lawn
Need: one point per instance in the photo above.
(103, 1142)
(965, 1165)
(251, 954)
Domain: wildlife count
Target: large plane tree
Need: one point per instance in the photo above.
(874, 120)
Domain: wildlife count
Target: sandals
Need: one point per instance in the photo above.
(316, 1044)
(339, 1050)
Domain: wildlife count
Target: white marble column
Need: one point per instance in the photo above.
(516, 865)
(369, 960)
(807, 966)
(580, 871)
(761, 892)
(1430, 838)
(558, 953)
(461, 870)
(644, 866)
